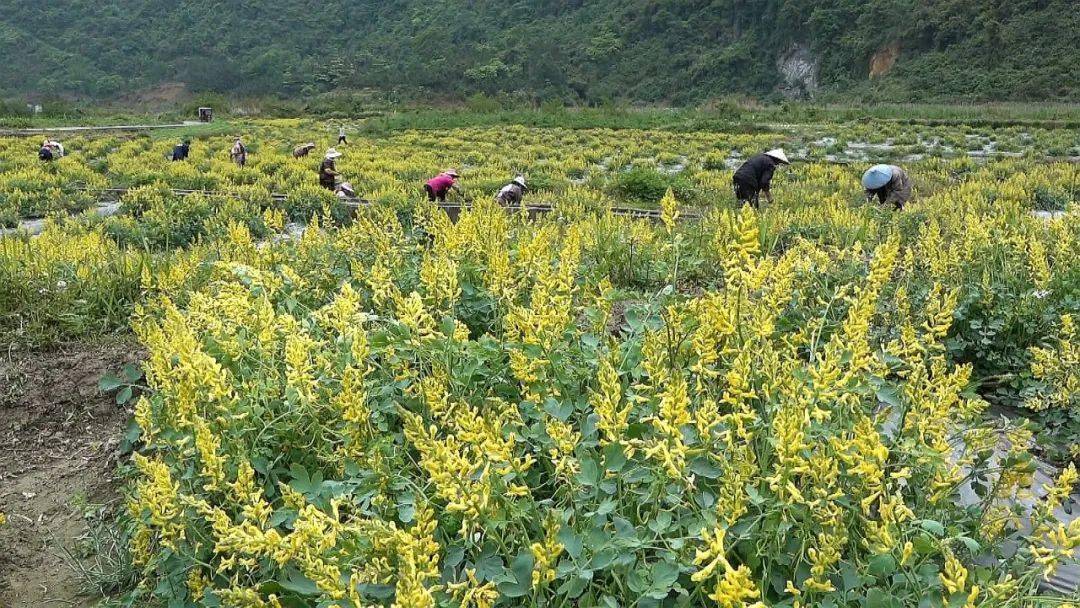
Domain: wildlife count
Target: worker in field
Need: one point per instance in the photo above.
(238, 154)
(303, 150)
(56, 147)
(47, 153)
(889, 183)
(341, 139)
(328, 170)
(345, 190)
(755, 177)
(440, 185)
(512, 193)
(181, 151)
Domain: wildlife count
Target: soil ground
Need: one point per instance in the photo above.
(58, 454)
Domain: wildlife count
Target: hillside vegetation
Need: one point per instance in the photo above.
(678, 51)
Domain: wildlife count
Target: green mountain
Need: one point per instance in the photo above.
(678, 51)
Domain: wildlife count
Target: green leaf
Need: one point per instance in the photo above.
(933, 527)
(614, 457)
(590, 472)
(298, 583)
(133, 373)
(882, 566)
(124, 395)
(889, 394)
(488, 567)
(109, 382)
(454, 555)
(705, 468)
(879, 598)
(521, 576)
(971, 544)
(571, 542)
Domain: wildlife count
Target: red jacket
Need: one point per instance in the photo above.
(441, 183)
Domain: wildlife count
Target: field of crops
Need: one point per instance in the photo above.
(821, 403)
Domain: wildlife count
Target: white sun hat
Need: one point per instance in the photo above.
(520, 180)
(333, 153)
(877, 176)
(346, 189)
(451, 173)
(779, 155)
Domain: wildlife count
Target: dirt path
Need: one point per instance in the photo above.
(42, 130)
(58, 454)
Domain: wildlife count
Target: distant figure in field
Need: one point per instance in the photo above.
(239, 153)
(50, 150)
(57, 147)
(303, 150)
(328, 170)
(889, 183)
(341, 136)
(755, 176)
(438, 186)
(345, 190)
(512, 194)
(181, 151)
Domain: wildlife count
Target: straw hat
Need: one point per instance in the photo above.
(451, 173)
(332, 154)
(877, 176)
(779, 155)
(520, 180)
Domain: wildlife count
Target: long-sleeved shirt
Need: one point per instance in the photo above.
(441, 183)
(511, 194)
(897, 192)
(757, 173)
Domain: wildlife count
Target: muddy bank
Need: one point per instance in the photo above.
(59, 438)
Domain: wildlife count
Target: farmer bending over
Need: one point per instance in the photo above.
(889, 183)
(328, 171)
(345, 190)
(46, 152)
(438, 186)
(512, 193)
(755, 176)
(303, 150)
(181, 151)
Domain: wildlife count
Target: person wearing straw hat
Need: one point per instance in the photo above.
(512, 193)
(440, 185)
(755, 176)
(328, 171)
(239, 153)
(889, 183)
(303, 150)
(345, 190)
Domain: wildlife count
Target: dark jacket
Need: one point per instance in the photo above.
(757, 172)
(327, 173)
(45, 153)
(180, 152)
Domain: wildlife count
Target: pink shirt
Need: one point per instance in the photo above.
(441, 182)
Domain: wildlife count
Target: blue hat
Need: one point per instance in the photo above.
(877, 176)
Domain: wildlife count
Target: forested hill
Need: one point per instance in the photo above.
(678, 51)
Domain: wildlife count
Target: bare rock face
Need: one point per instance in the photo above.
(799, 68)
(883, 61)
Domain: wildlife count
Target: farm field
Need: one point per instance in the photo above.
(824, 402)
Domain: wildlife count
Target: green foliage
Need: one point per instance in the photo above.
(589, 52)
